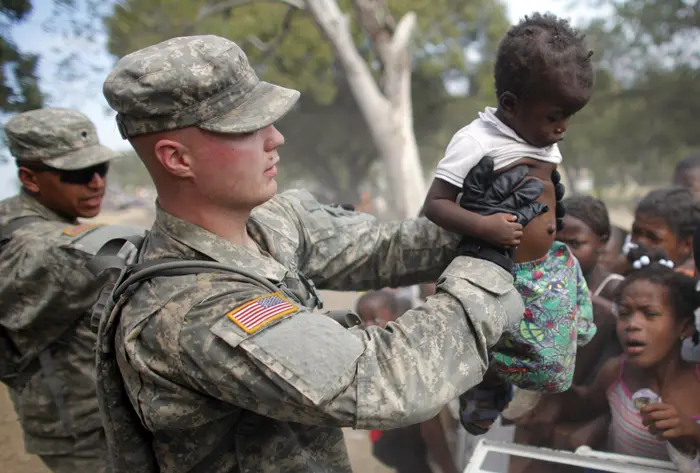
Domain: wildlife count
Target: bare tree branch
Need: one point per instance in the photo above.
(398, 69)
(388, 116)
(336, 28)
(376, 20)
(404, 33)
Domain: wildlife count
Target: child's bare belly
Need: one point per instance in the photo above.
(540, 233)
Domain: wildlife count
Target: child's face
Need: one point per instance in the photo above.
(583, 242)
(647, 328)
(544, 121)
(652, 232)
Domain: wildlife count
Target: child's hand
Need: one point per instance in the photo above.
(664, 421)
(502, 230)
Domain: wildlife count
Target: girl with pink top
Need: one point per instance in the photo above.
(652, 394)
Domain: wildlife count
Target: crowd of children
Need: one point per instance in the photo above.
(612, 318)
(609, 314)
(643, 317)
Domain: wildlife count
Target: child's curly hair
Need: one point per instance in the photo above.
(536, 48)
(592, 212)
(676, 206)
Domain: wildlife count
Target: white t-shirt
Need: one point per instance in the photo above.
(488, 136)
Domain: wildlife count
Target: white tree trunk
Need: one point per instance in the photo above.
(389, 117)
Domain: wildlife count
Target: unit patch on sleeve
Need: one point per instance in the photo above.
(255, 314)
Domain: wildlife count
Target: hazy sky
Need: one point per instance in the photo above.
(86, 95)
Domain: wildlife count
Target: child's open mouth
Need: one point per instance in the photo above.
(634, 347)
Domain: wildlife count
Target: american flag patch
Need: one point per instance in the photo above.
(255, 314)
(77, 230)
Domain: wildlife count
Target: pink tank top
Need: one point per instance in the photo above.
(628, 436)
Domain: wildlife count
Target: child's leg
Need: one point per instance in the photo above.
(539, 354)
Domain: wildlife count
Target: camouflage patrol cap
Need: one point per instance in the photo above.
(202, 81)
(59, 138)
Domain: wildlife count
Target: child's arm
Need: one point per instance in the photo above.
(593, 397)
(462, 155)
(441, 208)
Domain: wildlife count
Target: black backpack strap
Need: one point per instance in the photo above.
(128, 440)
(176, 267)
(114, 254)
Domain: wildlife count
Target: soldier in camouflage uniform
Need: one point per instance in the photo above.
(230, 376)
(45, 291)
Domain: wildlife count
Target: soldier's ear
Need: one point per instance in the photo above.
(29, 180)
(174, 157)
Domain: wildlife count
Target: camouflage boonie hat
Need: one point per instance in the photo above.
(59, 138)
(202, 81)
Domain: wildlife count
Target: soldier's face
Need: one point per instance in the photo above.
(238, 170)
(66, 195)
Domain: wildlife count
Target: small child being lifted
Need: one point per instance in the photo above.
(544, 75)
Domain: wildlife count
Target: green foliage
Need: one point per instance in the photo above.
(641, 120)
(15, 10)
(662, 20)
(298, 55)
(19, 88)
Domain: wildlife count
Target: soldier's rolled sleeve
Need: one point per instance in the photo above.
(308, 369)
(347, 250)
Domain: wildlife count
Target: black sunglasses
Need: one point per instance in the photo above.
(76, 176)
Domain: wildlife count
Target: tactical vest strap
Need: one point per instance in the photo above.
(114, 254)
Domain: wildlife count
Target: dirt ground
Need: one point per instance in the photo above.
(14, 460)
(12, 456)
